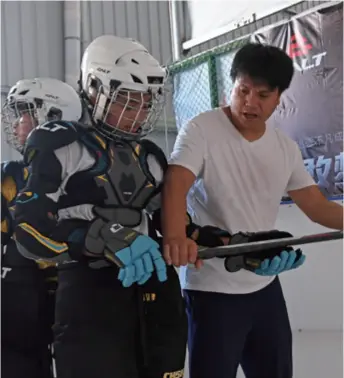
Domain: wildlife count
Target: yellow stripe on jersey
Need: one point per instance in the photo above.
(102, 177)
(46, 264)
(25, 174)
(4, 226)
(49, 243)
(102, 143)
(9, 188)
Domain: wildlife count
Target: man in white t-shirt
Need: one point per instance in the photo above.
(238, 170)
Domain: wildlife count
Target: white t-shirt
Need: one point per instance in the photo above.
(239, 187)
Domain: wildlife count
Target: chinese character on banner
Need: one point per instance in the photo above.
(310, 166)
(309, 142)
(319, 140)
(323, 168)
(338, 136)
(301, 144)
(338, 172)
(329, 138)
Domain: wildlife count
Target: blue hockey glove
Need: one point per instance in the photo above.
(287, 260)
(140, 260)
(136, 255)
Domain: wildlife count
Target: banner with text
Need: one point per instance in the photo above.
(311, 110)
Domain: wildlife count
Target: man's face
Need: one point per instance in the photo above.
(23, 126)
(252, 103)
(129, 111)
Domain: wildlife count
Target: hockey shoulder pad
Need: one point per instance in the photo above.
(50, 136)
(14, 175)
(150, 148)
(15, 169)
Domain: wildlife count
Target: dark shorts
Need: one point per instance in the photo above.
(252, 330)
(27, 311)
(105, 330)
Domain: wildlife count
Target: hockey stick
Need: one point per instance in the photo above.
(241, 249)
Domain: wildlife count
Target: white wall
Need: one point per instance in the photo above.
(207, 19)
(314, 292)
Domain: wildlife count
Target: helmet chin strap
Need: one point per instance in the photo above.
(100, 107)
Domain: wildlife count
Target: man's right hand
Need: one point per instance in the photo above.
(180, 251)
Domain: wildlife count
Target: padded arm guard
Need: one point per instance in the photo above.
(206, 236)
(50, 137)
(13, 178)
(6, 223)
(39, 235)
(105, 239)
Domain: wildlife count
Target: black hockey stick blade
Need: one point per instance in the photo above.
(241, 249)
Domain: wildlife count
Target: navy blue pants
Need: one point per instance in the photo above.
(226, 330)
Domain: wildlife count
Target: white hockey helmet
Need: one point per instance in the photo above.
(44, 99)
(123, 86)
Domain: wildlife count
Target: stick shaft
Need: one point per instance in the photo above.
(240, 249)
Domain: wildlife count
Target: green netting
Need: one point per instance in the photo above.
(224, 82)
(191, 93)
(202, 82)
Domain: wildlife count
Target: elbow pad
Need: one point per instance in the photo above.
(206, 236)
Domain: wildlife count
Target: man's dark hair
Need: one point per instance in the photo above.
(264, 64)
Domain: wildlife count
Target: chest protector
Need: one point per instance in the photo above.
(127, 181)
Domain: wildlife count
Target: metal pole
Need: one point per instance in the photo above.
(72, 41)
(175, 32)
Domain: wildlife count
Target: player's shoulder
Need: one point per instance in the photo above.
(51, 136)
(151, 148)
(12, 168)
(14, 175)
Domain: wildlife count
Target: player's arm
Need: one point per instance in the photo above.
(6, 222)
(9, 171)
(38, 233)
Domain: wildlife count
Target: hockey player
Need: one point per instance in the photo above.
(27, 290)
(105, 178)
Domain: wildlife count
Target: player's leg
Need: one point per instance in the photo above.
(164, 327)
(48, 314)
(24, 350)
(96, 325)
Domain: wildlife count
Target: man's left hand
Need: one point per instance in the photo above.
(287, 260)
